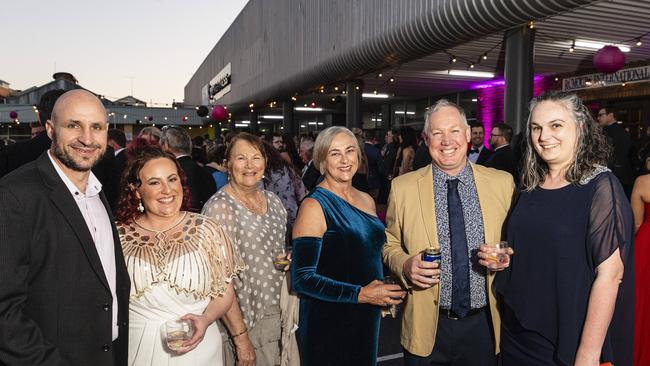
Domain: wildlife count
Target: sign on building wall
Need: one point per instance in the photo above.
(217, 87)
(632, 75)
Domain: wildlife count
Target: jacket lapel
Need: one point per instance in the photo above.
(63, 200)
(425, 194)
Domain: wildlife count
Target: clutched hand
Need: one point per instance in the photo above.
(200, 323)
(495, 258)
(421, 273)
(381, 294)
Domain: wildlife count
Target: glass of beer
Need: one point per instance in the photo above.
(498, 252)
(280, 259)
(177, 332)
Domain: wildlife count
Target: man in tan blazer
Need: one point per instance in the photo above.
(424, 210)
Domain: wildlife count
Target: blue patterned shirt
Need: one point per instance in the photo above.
(473, 231)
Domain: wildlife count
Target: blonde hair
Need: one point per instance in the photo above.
(323, 142)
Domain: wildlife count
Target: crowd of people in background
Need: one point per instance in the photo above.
(249, 238)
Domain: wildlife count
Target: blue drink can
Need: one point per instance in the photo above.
(431, 255)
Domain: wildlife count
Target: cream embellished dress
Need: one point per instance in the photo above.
(175, 272)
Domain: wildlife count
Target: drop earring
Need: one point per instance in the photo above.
(140, 207)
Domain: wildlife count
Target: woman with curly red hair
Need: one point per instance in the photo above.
(180, 263)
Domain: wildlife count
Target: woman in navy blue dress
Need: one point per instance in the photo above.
(337, 266)
(571, 230)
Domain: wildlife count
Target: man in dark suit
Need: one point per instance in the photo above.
(310, 175)
(202, 186)
(478, 153)
(23, 152)
(116, 140)
(622, 159)
(502, 158)
(64, 287)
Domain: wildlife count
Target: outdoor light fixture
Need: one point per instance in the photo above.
(271, 116)
(467, 73)
(594, 45)
(308, 109)
(392, 80)
(471, 66)
(638, 42)
(531, 24)
(372, 95)
(485, 56)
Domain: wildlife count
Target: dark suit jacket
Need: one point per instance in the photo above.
(503, 159)
(483, 156)
(201, 184)
(116, 178)
(388, 160)
(23, 152)
(55, 302)
(311, 177)
(621, 161)
(104, 170)
(373, 155)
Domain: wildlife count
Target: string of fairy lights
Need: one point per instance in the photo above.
(389, 77)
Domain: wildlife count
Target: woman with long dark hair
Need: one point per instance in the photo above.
(406, 152)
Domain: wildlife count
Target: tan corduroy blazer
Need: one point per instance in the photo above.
(411, 228)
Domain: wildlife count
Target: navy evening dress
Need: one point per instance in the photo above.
(328, 273)
(559, 237)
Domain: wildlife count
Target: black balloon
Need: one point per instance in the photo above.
(202, 111)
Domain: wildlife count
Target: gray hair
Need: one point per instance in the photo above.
(177, 140)
(591, 150)
(441, 103)
(150, 130)
(323, 142)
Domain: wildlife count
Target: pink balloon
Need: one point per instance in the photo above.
(609, 59)
(13, 114)
(218, 113)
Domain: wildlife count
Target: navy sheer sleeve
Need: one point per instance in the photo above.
(610, 221)
(305, 255)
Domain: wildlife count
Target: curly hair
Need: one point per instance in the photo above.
(127, 209)
(592, 148)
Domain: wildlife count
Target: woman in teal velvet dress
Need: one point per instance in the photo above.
(337, 267)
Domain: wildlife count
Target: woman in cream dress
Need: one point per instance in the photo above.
(180, 263)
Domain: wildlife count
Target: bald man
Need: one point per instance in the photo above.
(63, 283)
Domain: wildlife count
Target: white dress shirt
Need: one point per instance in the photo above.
(473, 156)
(99, 225)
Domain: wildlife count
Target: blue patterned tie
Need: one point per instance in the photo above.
(460, 303)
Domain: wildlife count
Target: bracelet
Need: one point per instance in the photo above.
(239, 334)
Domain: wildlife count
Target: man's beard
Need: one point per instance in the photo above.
(68, 161)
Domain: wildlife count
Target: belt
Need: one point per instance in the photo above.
(448, 313)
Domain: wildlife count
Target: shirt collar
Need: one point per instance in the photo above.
(118, 151)
(465, 176)
(497, 148)
(93, 186)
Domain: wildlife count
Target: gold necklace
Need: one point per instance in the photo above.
(257, 208)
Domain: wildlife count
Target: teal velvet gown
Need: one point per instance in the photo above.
(327, 274)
